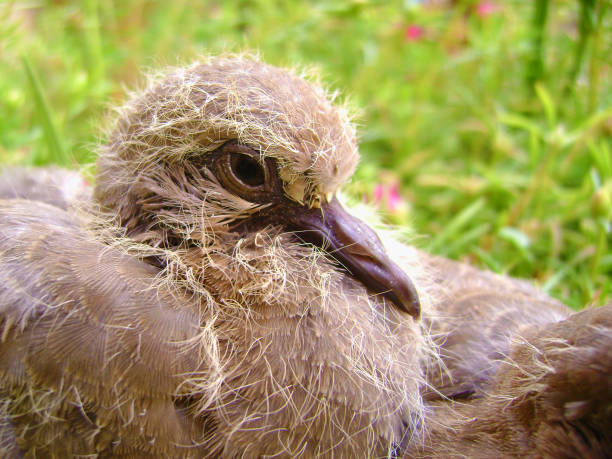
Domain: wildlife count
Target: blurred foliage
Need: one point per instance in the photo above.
(489, 121)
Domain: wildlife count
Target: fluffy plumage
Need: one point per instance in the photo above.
(478, 315)
(187, 112)
(549, 396)
(59, 187)
(151, 325)
(176, 314)
(521, 376)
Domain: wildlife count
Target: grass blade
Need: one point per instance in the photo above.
(45, 116)
(535, 67)
(453, 227)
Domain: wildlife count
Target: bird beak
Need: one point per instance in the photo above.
(357, 248)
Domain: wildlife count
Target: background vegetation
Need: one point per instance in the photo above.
(486, 126)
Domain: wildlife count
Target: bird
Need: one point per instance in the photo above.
(479, 313)
(212, 296)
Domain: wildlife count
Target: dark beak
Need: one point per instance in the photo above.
(356, 247)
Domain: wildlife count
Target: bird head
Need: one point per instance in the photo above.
(231, 168)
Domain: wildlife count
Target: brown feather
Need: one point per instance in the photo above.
(90, 349)
(478, 315)
(550, 397)
(143, 323)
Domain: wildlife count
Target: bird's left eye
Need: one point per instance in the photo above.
(247, 170)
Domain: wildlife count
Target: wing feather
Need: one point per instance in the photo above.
(478, 314)
(93, 349)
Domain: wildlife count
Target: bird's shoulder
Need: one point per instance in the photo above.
(89, 338)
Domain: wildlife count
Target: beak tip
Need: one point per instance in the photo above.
(414, 309)
(407, 301)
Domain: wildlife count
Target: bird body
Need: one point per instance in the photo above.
(124, 364)
(519, 374)
(214, 298)
(478, 315)
(182, 312)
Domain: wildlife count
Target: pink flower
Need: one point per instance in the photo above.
(394, 200)
(379, 193)
(485, 9)
(389, 196)
(413, 33)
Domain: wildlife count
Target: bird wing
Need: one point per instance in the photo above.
(92, 350)
(550, 397)
(477, 315)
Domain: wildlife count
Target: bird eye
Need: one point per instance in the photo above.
(247, 170)
(241, 171)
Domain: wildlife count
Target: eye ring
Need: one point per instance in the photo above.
(247, 170)
(242, 171)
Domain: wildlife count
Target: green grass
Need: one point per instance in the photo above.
(497, 128)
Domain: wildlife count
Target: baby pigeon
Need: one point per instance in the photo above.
(215, 299)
